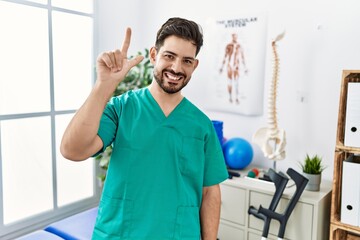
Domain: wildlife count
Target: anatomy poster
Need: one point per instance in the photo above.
(236, 79)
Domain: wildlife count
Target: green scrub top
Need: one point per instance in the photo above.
(158, 168)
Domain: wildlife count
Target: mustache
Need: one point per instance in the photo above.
(180, 74)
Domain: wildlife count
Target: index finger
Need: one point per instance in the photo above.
(126, 42)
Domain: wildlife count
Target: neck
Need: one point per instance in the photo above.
(166, 101)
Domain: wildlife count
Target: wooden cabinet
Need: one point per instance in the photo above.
(339, 230)
(310, 219)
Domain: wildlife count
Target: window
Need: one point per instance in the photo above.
(47, 68)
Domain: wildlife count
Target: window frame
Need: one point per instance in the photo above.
(24, 226)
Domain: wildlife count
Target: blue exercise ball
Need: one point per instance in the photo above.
(238, 153)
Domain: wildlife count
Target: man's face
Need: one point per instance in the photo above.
(174, 63)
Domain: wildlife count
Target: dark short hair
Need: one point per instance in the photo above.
(180, 27)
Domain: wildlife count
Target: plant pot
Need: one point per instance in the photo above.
(314, 181)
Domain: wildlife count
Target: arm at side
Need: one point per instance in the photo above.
(210, 212)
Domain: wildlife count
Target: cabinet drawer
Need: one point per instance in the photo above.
(299, 226)
(233, 206)
(227, 232)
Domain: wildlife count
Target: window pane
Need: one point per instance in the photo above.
(85, 6)
(27, 167)
(72, 36)
(75, 180)
(24, 59)
(38, 1)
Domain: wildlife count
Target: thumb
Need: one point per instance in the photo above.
(135, 61)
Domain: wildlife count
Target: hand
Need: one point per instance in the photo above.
(113, 66)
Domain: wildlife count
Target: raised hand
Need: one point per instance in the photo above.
(113, 66)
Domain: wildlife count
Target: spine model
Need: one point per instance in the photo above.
(271, 139)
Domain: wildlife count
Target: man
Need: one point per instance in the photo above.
(233, 54)
(166, 164)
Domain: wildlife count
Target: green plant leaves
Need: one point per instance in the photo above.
(312, 165)
(138, 77)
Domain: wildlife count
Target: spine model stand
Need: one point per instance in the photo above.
(271, 139)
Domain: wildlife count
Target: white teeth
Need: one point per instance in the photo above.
(172, 77)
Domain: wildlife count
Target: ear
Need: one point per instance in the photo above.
(153, 53)
(196, 63)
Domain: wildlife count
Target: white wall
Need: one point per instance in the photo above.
(322, 38)
(113, 17)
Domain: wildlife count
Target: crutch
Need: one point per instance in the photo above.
(300, 182)
(280, 180)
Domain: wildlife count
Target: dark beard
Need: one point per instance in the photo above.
(169, 89)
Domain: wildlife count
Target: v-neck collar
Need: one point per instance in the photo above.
(157, 107)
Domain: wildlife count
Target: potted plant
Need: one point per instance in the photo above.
(312, 168)
(138, 77)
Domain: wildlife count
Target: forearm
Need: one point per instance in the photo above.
(80, 139)
(210, 212)
(223, 62)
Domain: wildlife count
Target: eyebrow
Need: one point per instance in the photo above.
(172, 53)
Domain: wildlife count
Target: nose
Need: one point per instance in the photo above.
(176, 66)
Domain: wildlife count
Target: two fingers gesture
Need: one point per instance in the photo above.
(114, 65)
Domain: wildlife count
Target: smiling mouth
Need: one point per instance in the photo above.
(173, 77)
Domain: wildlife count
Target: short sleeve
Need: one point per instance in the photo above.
(215, 167)
(109, 121)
